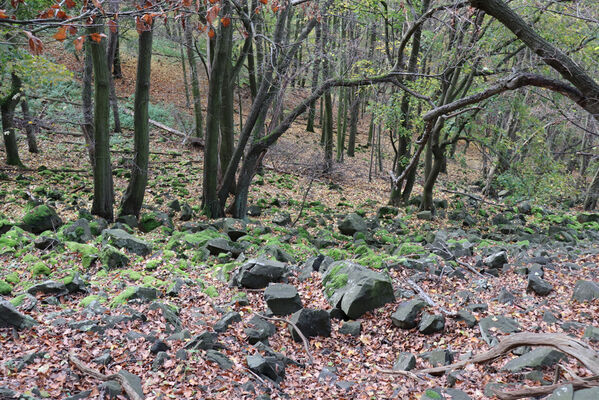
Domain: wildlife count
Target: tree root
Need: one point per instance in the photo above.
(573, 347)
(131, 393)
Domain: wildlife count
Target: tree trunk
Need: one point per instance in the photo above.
(210, 203)
(113, 38)
(327, 127)
(315, 73)
(181, 40)
(29, 127)
(103, 187)
(592, 195)
(134, 195)
(7, 108)
(117, 72)
(227, 133)
(195, 83)
(353, 124)
(88, 107)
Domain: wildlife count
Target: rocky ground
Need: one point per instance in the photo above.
(180, 307)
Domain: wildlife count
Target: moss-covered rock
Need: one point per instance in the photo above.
(86, 301)
(5, 288)
(112, 258)
(12, 277)
(40, 268)
(152, 220)
(40, 219)
(88, 253)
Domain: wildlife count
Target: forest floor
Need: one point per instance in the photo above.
(94, 318)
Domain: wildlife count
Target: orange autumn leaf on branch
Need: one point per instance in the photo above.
(226, 21)
(212, 13)
(97, 37)
(61, 34)
(112, 25)
(3, 14)
(70, 3)
(211, 33)
(79, 43)
(264, 1)
(36, 46)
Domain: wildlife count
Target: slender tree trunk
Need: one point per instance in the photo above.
(315, 74)
(210, 202)
(592, 195)
(117, 71)
(134, 195)
(88, 107)
(195, 83)
(181, 40)
(103, 187)
(7, 108)
(29, 127)
(227, 133)
(353, 124)
(113, 38)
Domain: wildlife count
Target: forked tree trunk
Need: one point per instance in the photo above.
(134, 195)
(103, 187)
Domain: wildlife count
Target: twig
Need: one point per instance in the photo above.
(476, 198)
(300, 334)
(403, 373)
(131, 393)
(304, 200)
(428, 299)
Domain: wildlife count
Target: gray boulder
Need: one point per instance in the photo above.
(219, 358)
(407, 313)
(585, 291)
(496, 260)
(41, 218)
(268, 367)
(438, 357)
(353, 328)
(11, 318)
(112, 258)
(79, 231)
(258, 273)
(311, 323)
(282, 299)
(227, 319)
(565, 392)
(260, 331)
(121, 239)
(282, 219)
(217, 246)
(587, 394)
(152, 220)
(351, 224)
(134, 382)
(405, 362)
(538, 285)
(356, 289)
(54, 288)
(539, 357)
(431, 323)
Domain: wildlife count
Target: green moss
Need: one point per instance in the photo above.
(5, 288)
(102, 273)
(38, 213)
(149, 222)
(39, 268)
(168, 255)
(123, 297)
(29, 258)
(337, 254)
(371, 260)
(12, 277)
(133, 275)
(410, 248)
(86, 301)
(337, 281)
(152, 264)
(211, 291)
(88, 252)
(17, 301)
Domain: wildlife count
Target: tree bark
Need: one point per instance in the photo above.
(315, 74)
(88, 107)
(134, 195)
(103, 187)
(592, 195)
(7, 108)
(113, 38)
(29, 127)
(550, 54)
(195, 83)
